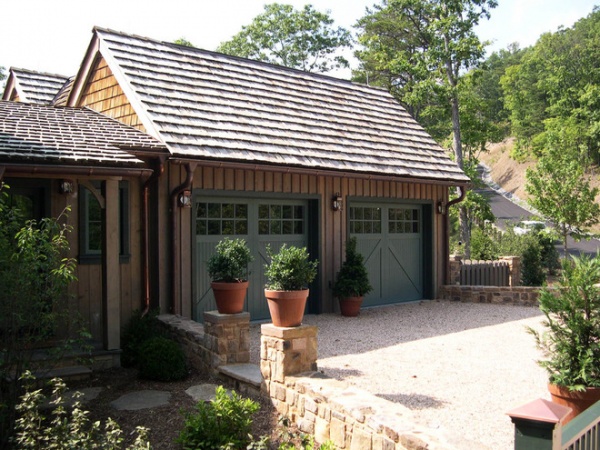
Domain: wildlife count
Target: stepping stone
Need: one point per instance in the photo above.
(89, 394)
(202, 392)
(137, 400)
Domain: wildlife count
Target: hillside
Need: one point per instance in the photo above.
(510, 174)
(505, 171)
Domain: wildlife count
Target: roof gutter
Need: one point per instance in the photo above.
(324, 172)
(190, 167)
(460, 198)
(64, 170)
(156, 174)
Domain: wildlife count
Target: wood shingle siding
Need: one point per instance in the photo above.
(104, 94)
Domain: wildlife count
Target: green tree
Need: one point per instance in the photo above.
(434, 43)
(303, 39)
(556, 88)
(183, 41)
(561, 191)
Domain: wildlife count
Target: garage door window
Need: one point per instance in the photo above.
(274, 219)
(404, 220)
(365, 220)
(222, 219)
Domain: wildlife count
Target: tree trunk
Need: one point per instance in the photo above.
(465, 234)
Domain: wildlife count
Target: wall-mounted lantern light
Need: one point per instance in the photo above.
(65, 186)
(336, 202)
(184, 200)
(441, 207)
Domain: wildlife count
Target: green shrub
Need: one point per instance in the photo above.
(230, 262)
(532, 273)
(223, 423)
(65, 429)
(290, 269)
(161, 359)
(353, 278)
(139, 329)
(571, 339)
(484, 244)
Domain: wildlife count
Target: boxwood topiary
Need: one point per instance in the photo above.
(161, 359)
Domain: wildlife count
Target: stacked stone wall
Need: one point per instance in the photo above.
(517, 296)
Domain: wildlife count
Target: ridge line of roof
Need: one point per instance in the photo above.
(241, 59)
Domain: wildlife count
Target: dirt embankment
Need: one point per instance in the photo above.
(510, 174)
(505, 171)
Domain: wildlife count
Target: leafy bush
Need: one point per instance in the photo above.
(223, 423)
(34, 306)
(484, 244)
(290, 269)
(139, 329)
(66, 429)
(230, 262)
(353, 278)
(162, 359)
(538, 254)
(571, 342)
(532, 273)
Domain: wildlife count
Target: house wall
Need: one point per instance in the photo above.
(103, 94)
(332, 227)
(86, 293)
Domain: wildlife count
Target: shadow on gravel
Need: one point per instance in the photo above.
(414, 401)
(386, 326)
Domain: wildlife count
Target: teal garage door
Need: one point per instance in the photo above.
(261, 223)
(391, 238)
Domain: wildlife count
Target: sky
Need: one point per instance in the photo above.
(52, 35)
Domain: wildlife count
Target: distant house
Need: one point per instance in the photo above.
(239, 148)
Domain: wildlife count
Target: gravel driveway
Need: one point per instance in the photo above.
(459, 367)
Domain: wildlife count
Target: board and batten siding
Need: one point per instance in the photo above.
(103, 94)
(87, 291)
(333, 225)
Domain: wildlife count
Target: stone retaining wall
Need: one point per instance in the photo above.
(223, 339)
(518, 296)
(329, 409)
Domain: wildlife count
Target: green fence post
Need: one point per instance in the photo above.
(538, 425)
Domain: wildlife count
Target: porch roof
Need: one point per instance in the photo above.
(50, 134)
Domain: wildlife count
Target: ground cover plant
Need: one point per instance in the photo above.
(67, 426)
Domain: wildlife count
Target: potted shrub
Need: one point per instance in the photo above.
(352, 281)
(288, 275)
(228, 270)
(571, 341)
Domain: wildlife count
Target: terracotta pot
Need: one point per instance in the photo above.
(286, 307)
(577, 401)
(230, 297)
(350, 306)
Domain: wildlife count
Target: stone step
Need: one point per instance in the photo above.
(66, 373)
(244, 373)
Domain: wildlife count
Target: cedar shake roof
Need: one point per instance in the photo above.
(35, 87)
(206, 105)
(50, 134)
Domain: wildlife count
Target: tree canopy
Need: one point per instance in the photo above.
(418, 49)
(556, 87)
(561, 191)
(302, 39)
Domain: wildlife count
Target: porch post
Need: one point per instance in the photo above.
(111, 276)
